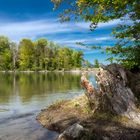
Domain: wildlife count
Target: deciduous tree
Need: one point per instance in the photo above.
(127, 49)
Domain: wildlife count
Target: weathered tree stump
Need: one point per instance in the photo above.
(113, 93)
(116, 93)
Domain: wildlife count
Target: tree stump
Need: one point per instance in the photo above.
(113, 93)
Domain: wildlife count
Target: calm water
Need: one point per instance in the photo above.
(22, 96)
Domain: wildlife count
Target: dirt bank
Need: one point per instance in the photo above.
(61, 115)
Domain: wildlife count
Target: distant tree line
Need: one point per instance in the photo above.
(88, 64)
(37, 55)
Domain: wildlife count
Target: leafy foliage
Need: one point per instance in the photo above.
(128, 47)
(5, 53)
(26, 54)
(39, 55)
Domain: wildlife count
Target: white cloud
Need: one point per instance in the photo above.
(52, 29)
(103, 38)
(32, 29)
(85, 25)
(89, 39)
(110, 23)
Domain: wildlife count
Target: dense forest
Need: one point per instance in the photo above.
(37, 55)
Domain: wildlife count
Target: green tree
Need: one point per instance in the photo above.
(127, 49)
(26, 54)
(87, 64)
(38, 55)
(41, 53)
(77, 58)
(6, 59)
(4, 44)
(5, 54)
(96, 63)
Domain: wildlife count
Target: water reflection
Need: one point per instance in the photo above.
(22, 95)
(26, 86)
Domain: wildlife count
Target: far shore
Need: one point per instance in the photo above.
(94, 70)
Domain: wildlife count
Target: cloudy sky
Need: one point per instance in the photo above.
(36, 19)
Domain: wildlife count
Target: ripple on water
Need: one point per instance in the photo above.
(24, 127)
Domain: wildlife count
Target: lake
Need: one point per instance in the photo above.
(23, 95)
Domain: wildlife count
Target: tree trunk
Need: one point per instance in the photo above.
(113, 93)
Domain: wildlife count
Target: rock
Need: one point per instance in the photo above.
(61, 137)
(105, 138)
(73, 132)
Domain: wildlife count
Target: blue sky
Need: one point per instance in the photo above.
(36, 19)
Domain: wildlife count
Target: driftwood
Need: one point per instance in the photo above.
(114, 93)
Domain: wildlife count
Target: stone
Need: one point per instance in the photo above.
(73, 132)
